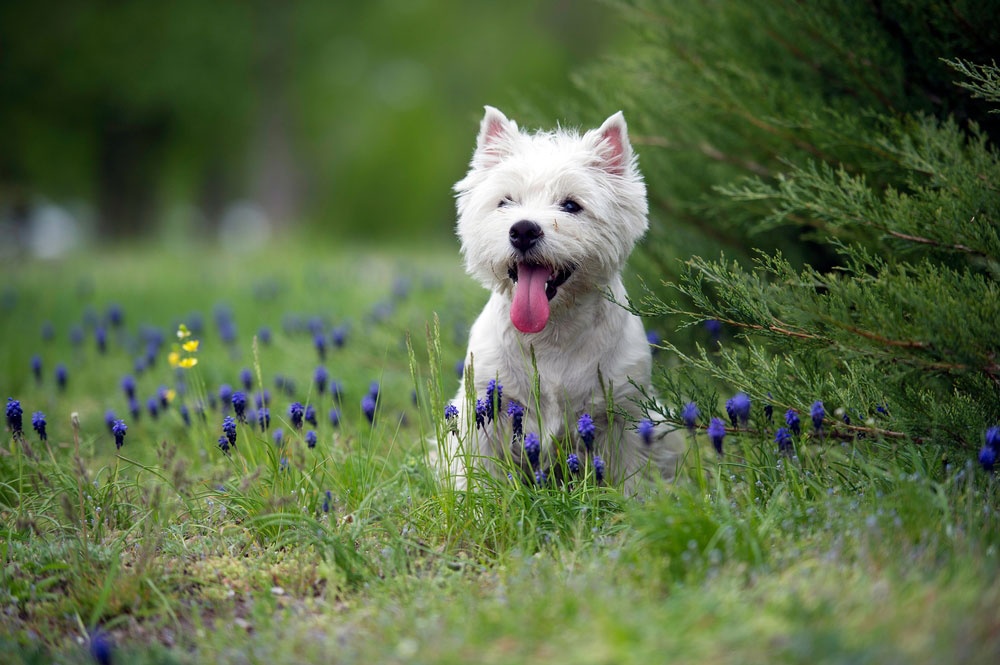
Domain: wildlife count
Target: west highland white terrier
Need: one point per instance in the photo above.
(547, 221)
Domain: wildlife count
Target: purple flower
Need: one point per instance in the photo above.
(573, 463)
(339, 336)
(328, 497)
(297, 413)
(311, 438)
(153, 406)
(163, 394)
(993, 438)
(716, 433)
(817, 412)
(101, 337)
(102, 648)
(540, 477)
(38, 424)
(516, 413)
(319, 341)
(646, 430)
(368, 404)
(246, 379)
(263, 418)
(336, 390)
(134, 409)
(239, 400)
(653, 338)
(769, 411)
(264, 335)
(450, 412)
(229, 428)
(109, 419)
(334, 416)
(714, 329)
(279, 437)
(481, 409)
(988, 458)
(738, 408)
(784, 440)
(320, 378)
(494, 394)
(185, 415)
(310, 415)
(128, 386)
(224, 444)
(689, 415)
(118, 429)
(14, 413)
(598, 469)
(62, 376)
(263, 398)
(793, 422)
(36, 367)
(226, 396)
(532, 448)
(585, 427)
(116, 315)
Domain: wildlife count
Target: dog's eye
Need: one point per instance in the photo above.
(504, 202)
(570, 206)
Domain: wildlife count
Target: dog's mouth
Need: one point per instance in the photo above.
(535, 285)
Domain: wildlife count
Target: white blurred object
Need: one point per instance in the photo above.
(244, 226)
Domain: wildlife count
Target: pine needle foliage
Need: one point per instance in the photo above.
(843, 156)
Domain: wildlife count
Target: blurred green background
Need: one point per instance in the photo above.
(191, 120)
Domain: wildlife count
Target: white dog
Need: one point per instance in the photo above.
(547, 221)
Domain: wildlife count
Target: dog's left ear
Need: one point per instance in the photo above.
(495, 134)
(614, 147)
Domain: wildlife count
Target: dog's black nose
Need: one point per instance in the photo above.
(524, 235)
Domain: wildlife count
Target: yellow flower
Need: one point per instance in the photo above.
(183, 332)
(171, 394)
(190, 346)
(174, 358)
(188, 363)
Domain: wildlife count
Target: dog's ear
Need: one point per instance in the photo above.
(614, 146)
(495, 133)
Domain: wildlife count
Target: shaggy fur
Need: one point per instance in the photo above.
(556, 215)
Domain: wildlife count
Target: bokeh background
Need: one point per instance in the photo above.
(192, 121)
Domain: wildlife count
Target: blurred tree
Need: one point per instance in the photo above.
(356, 117)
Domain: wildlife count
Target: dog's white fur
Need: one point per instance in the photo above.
(590, 349)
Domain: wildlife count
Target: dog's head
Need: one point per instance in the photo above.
(546, 216)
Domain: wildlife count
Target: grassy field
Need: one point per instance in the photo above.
(167, 550)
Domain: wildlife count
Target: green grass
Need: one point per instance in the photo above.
(864, 551)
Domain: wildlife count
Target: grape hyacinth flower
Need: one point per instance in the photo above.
(327, 498)
(769, 411)
(532, 448)
(263, 398)
(109, 419)
(38, 424)
(62, 376)
(264, 335)
(239, 400)
(585, 427)
(784, 440)
(263, 418)
(224, 444)
(246, 379)
(516, 413)
(988, 458)
(321, 377)
(279, 437)
(646, 430)
(297, 413)
(817, 412)
(101, 337)
(229, 429)
(481, 409)
(185, 415)
(334, 416)
(716, 433)
(36, 367)
(336, 390)
(450, 412)
(793, 422)
(311, 438)
(368, 404)
(598, 469)
(319, 341)
(128, 386)
(153, 406)
(163, 394)
(116, 315)
(573, 463)
(738, 408)
(14, 413)
(540, 477)
(225, 397)
(689, 415)
(118, 429)
(310, 415)
(134, 409)
(714, 329)
(494, 394)
(339, 336)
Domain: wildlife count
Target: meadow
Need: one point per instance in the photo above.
(325, 535)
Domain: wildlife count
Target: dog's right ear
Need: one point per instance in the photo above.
(495, 134)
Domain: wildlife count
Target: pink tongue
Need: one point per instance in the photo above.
(530, 310)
